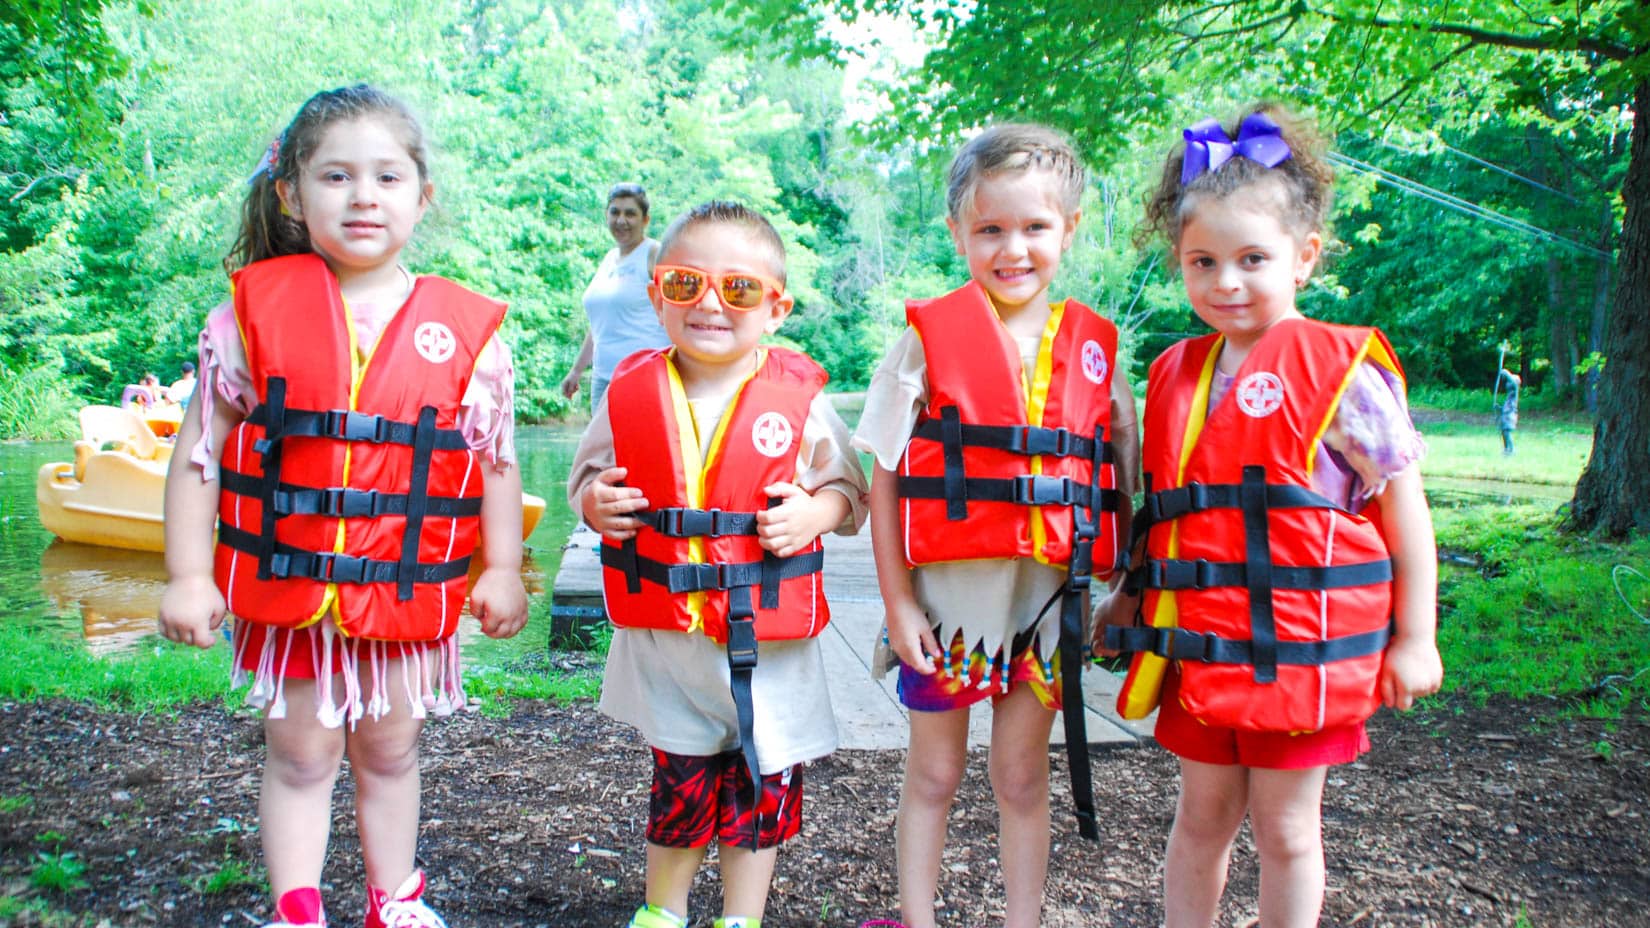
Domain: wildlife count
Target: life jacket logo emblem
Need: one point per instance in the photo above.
(1095, 365)
(1260, 394)
(435, 342)
(771, 434)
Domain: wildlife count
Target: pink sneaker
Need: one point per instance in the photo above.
(299, 908)
(402, 908)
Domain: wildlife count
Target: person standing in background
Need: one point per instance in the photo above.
(622, 320)
(1508, 410)
(184, 387)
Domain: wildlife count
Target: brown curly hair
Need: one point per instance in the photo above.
(266, 230)
(1305, 182)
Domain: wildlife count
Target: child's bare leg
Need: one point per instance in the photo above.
(1285, 814)
(746, 876)
(295, 804)
(383, 756)
(670, 873)
(1019, 780)
(1213, 799)
(934, 762)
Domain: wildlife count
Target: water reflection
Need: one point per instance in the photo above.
(117, 592)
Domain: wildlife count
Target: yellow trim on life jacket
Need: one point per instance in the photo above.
(1146, 683)
(696, 465)
(1036, 394)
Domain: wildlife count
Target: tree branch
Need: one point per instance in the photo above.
(1614, 51)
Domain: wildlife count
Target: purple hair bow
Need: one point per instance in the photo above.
(1208, 147)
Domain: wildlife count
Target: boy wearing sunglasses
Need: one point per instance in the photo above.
(711, 468)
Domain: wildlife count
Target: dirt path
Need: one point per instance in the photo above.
(1463, 816)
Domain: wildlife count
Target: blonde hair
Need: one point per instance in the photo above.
(1015, 147)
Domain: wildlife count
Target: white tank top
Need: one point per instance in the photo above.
(622, 320)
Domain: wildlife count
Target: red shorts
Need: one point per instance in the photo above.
(1186, 737)
(695, 799)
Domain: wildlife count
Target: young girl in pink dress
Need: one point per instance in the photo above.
(352, 443)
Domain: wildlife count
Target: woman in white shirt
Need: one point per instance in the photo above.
(622, 320)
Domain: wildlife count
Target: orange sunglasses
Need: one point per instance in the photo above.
(684, 286)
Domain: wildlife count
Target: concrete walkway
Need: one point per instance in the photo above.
(868, 714)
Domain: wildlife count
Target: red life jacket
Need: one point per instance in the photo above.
(698, 560)
(1275, 602)
(349, 487)
(1001, 468)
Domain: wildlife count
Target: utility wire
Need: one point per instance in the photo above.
(1491, 165)
(1450, 201)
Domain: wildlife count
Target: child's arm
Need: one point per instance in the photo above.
(909, 633)
(1412, 666)
(192, 607)
(499, 600)
(799, 518)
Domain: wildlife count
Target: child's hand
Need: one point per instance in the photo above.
(911, 637)
(191, 611)
(607, 505)
(1115, 608)
(1410, 668)
(799, 518)
(499, 602)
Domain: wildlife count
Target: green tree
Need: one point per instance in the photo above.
(1114, 73)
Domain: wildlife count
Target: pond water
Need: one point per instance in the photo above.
(108, 597)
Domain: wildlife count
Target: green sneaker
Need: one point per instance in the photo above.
(652, 916)
(737, 921)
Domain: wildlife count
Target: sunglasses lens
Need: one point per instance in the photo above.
(742, 292)
(681, 286)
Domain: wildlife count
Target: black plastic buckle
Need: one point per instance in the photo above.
(1032, 440)
(355, 504)
(350, 425)
(1042, 490)
(741, 644)
(1180, 575)
(687, 523)
(1172, 504)
(694, 578)
(1182, 645)
(340, 568)
(1081, 564)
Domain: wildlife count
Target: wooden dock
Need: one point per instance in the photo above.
(868, 714)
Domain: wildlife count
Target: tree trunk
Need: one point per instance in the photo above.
(1561, 330)
(1613, 495)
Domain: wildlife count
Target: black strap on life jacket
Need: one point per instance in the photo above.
(278, 499)
(344, 502)
(268, 449)
(1085, 500)
(290, 561)
(349, 425)
(1257, 574)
